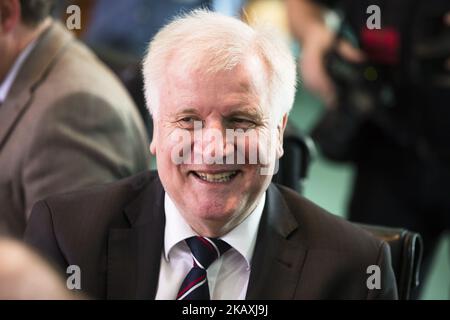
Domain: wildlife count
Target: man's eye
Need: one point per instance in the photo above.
(187, 120)
(243, 123)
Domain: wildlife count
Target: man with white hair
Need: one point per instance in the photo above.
(210, 225)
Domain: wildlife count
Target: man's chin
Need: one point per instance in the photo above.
(212, 211)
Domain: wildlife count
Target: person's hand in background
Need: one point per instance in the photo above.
(316, 39)
(24, 275)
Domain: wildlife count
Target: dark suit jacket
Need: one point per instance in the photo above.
(115, 233)
(67, 123)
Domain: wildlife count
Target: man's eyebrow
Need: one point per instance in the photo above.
(252, 113)
(184, 111)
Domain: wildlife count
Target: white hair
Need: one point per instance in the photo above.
(214, 42)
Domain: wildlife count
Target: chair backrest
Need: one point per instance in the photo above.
(406, 253)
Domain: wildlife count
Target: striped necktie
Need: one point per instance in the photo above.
(204, 252)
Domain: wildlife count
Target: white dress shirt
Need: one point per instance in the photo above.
(228, 276)
(7, 83)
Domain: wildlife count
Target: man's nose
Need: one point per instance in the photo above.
(211, 143)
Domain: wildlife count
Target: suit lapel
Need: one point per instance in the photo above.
(32, 72)
(277, 261)
(134, 253)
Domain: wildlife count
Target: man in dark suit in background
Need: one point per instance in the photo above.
(65, 120)
(211, 225)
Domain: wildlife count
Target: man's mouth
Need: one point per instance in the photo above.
(219, 177)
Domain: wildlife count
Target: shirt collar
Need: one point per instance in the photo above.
(242, 238)
(176, 228)
(6, 85)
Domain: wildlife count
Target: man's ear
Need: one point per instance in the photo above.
(280, 128)
(153, 147)
(153, 143)
(9, 15)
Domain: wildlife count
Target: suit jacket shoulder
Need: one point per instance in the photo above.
(337, 254)
(325, 256)
(335, 232)
(79, 228)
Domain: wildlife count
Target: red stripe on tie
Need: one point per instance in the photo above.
(206, 243)
(190, 285)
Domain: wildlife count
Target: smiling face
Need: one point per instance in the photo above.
(214, 198)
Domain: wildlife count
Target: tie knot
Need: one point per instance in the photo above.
(206, 250)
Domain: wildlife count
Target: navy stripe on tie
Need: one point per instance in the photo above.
(204, 252)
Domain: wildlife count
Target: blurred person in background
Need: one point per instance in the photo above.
(65, 120)
(387, 93)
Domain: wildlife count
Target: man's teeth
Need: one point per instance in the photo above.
(217, 177)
